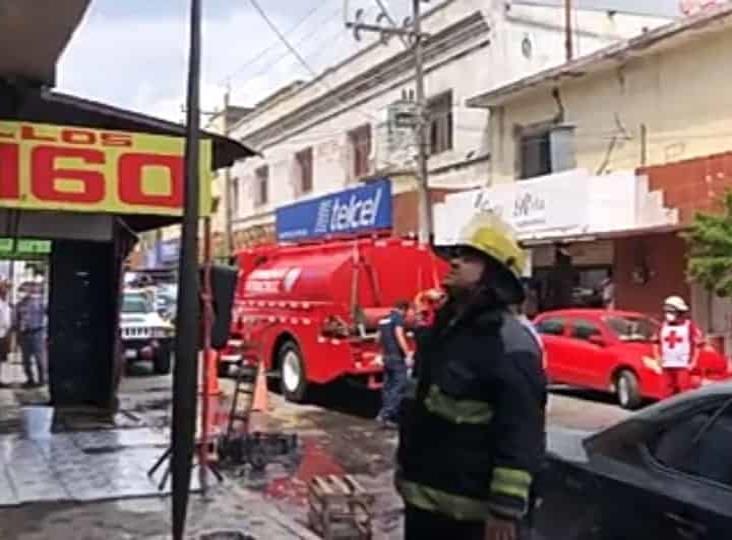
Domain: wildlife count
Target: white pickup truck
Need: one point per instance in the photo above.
(146, 335)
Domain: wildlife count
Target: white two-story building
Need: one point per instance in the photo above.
(346, 126)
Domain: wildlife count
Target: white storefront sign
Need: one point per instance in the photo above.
(562, 205)
(536, 206)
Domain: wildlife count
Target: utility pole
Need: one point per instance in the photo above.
(423, 190)
(569, 46)
(412, 36)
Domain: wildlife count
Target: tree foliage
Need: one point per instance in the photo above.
(710, 249)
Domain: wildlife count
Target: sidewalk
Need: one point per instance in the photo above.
(226, 508)
(69, 475)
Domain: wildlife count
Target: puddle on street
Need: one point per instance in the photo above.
(287, 479)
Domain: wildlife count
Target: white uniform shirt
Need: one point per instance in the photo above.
(676, 345)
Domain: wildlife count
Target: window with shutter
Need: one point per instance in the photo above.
(261, 186)
(304, 170)
(234, 194)
(439, 114)
(360, 142)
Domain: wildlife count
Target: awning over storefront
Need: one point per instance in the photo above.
(34, 34)
(49, 107)
(563, 206)
(68, 159)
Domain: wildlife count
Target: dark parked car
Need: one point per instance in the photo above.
(665, 474)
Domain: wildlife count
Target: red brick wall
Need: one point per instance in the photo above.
(693, 185)
(664, 256)
(405, 210)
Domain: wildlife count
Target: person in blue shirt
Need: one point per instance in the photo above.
(31, 327)
(396, 355)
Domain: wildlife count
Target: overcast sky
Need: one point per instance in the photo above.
(133, 53)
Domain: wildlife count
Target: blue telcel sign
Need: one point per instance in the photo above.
(362, 209)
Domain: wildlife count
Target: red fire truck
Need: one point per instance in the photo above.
(312, 309)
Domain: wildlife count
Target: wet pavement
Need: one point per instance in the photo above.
(226, 508)
(339, 436)
(336, 435)
(37, 465)
(76, 455)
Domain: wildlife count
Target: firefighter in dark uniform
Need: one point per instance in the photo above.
(472, 436)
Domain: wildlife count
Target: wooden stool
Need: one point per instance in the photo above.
(339, 508)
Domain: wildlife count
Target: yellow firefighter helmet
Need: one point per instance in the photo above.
(487, 233)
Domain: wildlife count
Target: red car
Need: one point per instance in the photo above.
(615, 351)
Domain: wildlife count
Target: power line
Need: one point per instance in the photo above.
(282, 37)
(286, 54)
(385, 10)
(263, 53)
(308, 65)
(277, 60)
(339, 36)
(303, 62)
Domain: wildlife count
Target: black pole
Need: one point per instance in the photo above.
(187, 322)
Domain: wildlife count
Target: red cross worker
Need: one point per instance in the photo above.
(680, 341)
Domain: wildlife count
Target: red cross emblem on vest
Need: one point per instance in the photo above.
(673, 339)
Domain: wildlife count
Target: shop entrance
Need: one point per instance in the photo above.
(571, 275)
(83, 306)
(63, 298)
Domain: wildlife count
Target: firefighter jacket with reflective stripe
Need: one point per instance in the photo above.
(473, 437)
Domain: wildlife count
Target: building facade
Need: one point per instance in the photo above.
(653, 109)
(352, 123)
(653, 99)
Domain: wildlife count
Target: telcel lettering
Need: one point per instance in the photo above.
(355, 214)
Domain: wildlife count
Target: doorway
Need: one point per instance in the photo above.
(82, 345)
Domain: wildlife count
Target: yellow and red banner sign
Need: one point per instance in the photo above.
(49, 167)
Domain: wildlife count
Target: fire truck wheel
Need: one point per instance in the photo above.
(294, 381)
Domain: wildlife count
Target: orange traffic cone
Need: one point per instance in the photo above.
(260, 399)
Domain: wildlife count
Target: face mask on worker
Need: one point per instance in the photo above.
(671, 316)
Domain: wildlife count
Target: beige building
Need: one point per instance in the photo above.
(657, 98)
(639, 133)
